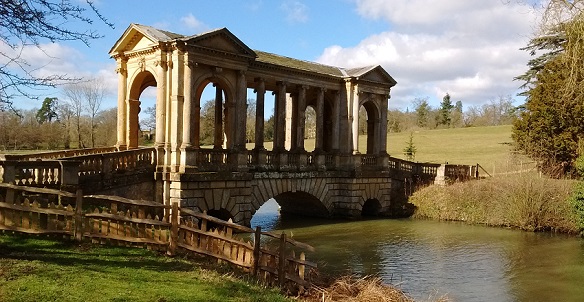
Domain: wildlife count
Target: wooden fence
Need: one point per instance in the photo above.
(171, 229)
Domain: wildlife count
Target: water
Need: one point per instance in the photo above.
(429, 258)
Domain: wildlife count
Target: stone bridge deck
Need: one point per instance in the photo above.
(302, 183)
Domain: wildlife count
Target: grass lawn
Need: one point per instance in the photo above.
(50, 270)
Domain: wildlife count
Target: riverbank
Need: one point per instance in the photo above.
(523, 201)
(36, 269)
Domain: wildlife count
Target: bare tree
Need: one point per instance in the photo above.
(94, 92)
(25, 23)
(74, 94)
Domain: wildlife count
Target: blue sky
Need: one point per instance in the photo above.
(469, 49)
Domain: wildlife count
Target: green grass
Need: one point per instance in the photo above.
(51, 270)
(461, 145)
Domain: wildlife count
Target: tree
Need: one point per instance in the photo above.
(250, 121)
(410, 149)
(422, 112)
(457, 115)
(75, 99)
(25, 23)
(94, 91)
(445, 111)
(551, 123)
(48, 111)
(150, 121)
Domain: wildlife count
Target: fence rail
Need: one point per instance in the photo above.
(138, 223)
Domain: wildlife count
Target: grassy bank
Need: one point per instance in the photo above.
(49, 270)
(36, 269)
(523, 201)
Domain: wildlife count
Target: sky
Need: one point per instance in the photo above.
(469, 49)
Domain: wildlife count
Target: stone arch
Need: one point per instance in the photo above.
(371, 207)
(140, 80)
(313, 191)
(229, 93)
(374, 198)
(373, 124)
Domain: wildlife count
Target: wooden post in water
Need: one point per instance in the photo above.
(282, 261)
(256, 250)
(78, 232)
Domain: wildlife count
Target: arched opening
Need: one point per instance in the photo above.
(139, 89)
(222, 214)
(214, 116)
(267, 216)
(368, 126)
(371, 208)
(301, 203)
(309, 128)
(147, 117)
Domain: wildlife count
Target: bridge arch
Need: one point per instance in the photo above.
(307, 197)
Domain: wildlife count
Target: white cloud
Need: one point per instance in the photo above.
(192, 23)
(469, 49)
(296, 11)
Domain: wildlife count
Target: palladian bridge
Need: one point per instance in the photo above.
(232, 178)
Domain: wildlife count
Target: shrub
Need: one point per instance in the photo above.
(577, 203)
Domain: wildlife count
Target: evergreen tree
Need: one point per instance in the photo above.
(422, 112)
(48, 111)
(445, 112)
(551, 123)
(410, 149)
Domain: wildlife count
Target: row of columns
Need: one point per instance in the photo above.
(184, 117)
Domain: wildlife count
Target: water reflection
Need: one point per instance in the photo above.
(468, 263)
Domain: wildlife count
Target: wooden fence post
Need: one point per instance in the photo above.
(256, 250)
(78, 233)
(282, 261)
(173, 229)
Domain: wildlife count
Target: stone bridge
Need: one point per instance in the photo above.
(231, 176)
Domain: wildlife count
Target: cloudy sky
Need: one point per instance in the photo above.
(469, 49)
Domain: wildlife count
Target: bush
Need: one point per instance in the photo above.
(577, 203)
(525, 201)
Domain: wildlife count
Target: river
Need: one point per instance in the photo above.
(429, 258)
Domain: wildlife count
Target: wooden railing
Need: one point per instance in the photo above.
(137, 223)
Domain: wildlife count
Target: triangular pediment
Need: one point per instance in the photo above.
(221, 40)
(372, 74)
(137, 37)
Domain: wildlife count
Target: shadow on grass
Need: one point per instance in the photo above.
(66, 252)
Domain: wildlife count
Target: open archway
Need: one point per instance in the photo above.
(369, 125)
(140, 83)
(215, 117)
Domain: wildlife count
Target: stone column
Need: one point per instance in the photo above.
(240, 112)
(132, 113)
(187, 106)
(218, 141)
(336, 122)
(280, 131)
(187, 153)
(319, 141)
(383, 128)
(259, 123)
(122, 94)
(176, 108)
(161, 104)
(301, 118)
(291, 122)
(355, 120)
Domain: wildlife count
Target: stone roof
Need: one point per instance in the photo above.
(158, 35)
(270, 58)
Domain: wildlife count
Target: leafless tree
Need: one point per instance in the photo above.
(25, 23)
